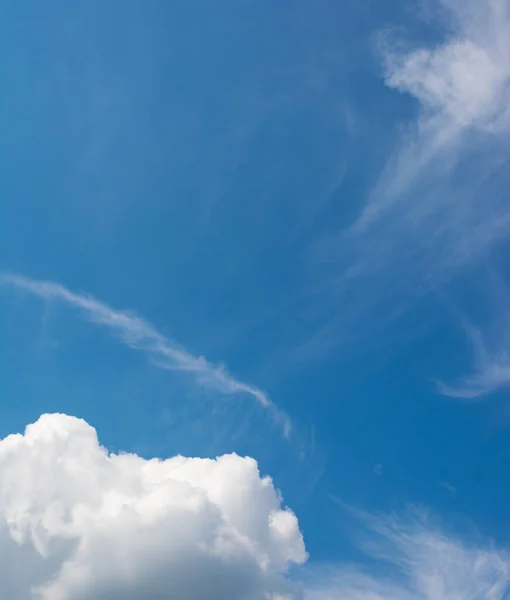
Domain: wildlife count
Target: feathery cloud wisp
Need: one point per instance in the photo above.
(462, 87)
(491, 370)
(440, 203)
(420, 562)
(138, 334)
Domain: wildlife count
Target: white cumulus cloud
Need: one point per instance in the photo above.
(77, 522)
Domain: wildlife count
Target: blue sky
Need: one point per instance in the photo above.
(281, 230)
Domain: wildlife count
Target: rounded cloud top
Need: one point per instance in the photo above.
(80, 523)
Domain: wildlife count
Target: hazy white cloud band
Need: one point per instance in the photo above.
(139, 334)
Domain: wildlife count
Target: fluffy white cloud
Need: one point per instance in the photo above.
(415, 560)
(79, 523)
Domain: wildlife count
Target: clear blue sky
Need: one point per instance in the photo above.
(307, 205)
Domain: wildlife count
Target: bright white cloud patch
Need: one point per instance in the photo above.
(79, 523)
(414, 560)
(462, 86)
(466, 79)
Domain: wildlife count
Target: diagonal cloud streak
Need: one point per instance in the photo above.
(138, 334)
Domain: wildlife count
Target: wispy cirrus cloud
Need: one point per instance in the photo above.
(440, 194)
(138, 334)
(411, 558)
(491, 364)
(462, 87)
(439, 204)
(447, 183)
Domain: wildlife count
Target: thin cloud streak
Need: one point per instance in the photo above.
(139, 334)
(448, 486)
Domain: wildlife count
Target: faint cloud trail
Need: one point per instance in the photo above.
(138, 334)
(491, 366)
(412, 558)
